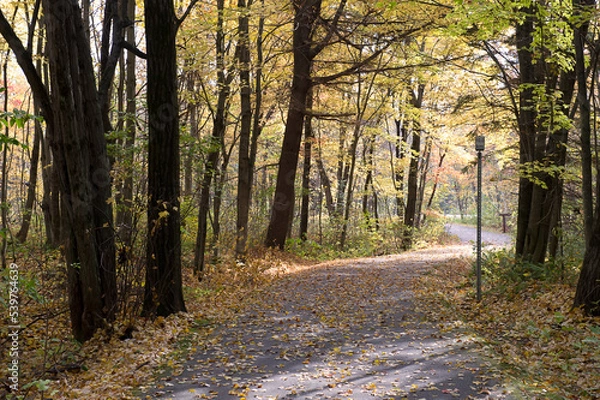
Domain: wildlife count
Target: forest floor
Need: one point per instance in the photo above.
(393, 327)
(340, 330)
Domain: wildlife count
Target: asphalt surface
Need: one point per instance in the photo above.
(468, 234)
(344, 330)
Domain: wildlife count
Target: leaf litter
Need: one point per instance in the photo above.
(548, 349)
(394, 327)
(339, 330)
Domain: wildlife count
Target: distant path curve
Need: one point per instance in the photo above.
(468, 234)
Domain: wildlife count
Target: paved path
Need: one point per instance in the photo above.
(468, 234)
(344, 330)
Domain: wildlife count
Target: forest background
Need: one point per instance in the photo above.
(145, 142)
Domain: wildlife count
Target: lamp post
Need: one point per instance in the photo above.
(479, 147)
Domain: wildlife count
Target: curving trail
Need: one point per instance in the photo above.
(468, 234)
(344, 330)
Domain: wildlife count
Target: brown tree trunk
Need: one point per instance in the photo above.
(587, 294)
(79, 149)
(527, 125)
(308, 140)
(245, 164)
(163, 290)
(306, 14)
(413, 172)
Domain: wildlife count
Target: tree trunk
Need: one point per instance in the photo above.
(21, 235)
(4, 229)
(398, 170)
(218, 132)
(579, 35)
(245, 164)
(413, 172)
(308, 140)
(306, 14)
(124, 218)
(51, 195)
(527, 124)
(587, 294)
(369, 190)
(163, 290)
(423, 170)
(79, 149)
(342, 172)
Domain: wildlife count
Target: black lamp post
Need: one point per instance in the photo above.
(479, 147)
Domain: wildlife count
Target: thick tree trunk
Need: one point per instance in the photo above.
(527, 125)
(163, 290)
(79, 149)
(306, 14)
(579, 35)
(587, 294)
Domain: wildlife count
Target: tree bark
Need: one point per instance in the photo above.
(587, 294)
(579, 35)
(79, 149)
(245, 164)
(306, 14)
(308, 141)
(163, 290)
(527, 125)
(413, 172)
